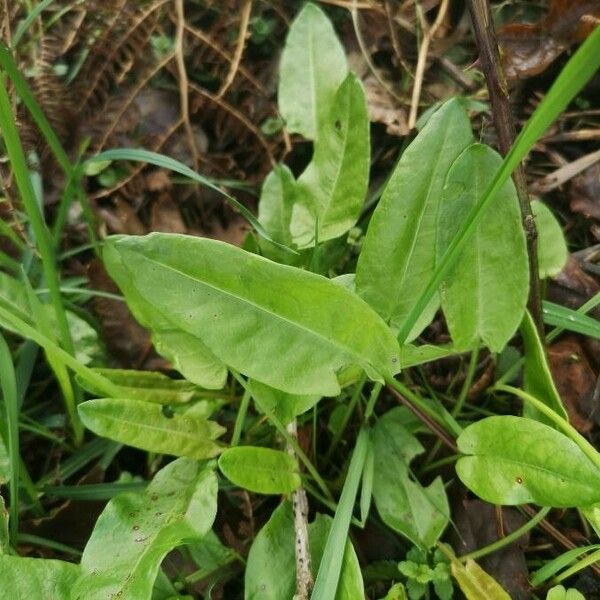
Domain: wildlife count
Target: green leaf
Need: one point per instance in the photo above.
(150, 386)
(313, 66)
(552, 567)
(284, 407)
(560, 593)
(276, 203)
(514, 460)
(144, 425)
(411, 356)
(396, 592)
(571, 320)
(331, 191)
(136, 531)
(260, 470)
(188, 353)
(537, 377)
(419, 513)
(484, 296)
(552, 246)
(285, 327)
(271, 566)
(36, 578)
(577, 72)
(398, 253)
(475, 583)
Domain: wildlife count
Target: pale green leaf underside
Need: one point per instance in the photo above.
(144, 425)
(36, 578)
(282, 326)
(484, 296)
(513, 460)
(313, 65)
(419, 513)
(330, 193)
(189, 354)
(271, 570)
(260, 470)
(135, 532)
(552, 246)
(398, 253)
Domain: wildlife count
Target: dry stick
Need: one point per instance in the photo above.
(239, 51)
(428, 34)
(304, 578)
(489, 57)
(183, 84)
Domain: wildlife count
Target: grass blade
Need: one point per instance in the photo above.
(576, 73)
(166, 162)
(8, 384)
(331, 564)
(565, 318)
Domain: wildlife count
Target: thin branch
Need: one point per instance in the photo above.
(428, 35)
(489, 57)
(304, 578)
(184, 91)
(239, 50)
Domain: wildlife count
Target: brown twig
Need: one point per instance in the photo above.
(239, 50)
(304, 578)
(489, 57)
(428, 34)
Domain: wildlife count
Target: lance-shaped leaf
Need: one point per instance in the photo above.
(136, 531)
(514, 460)
(36, 578)
(485, 295)
(285, 327)
(276, 203)
(332, 189)
(188, 353)
(419, 513)
(145, 425)
(313, 65)
(398, 254)
(475, 583)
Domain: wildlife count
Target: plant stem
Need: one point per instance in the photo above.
(508, 539)
(304, 578)
(241, 417)
(489, 57)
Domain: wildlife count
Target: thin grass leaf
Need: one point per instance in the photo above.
(8, 384)
(25, 24)
(552, 567)
(331, 565)
(572, 320)
(94, 491)
(576, 73)
(166, 162)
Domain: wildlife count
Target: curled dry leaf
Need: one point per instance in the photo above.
(527, 49)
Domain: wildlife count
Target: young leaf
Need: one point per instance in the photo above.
(276, 203)
(260, 470)
(188, 353)
(475, 583)
(36, 578)
(419, 513)
(513, 460)
(552, 246)
(484, 296)
(273, 402)
(313, 65)
(135, 532)
(144, 425)
(398, 252)
(288, 328)
(271, 568)
(537, 378)
(332, 189)
(560, 593)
